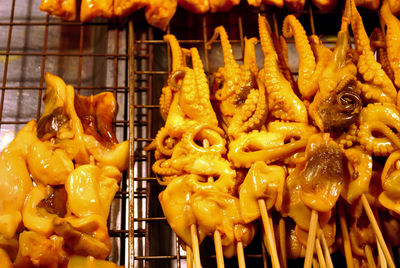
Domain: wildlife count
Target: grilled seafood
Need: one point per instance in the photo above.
(60, 176)
(282, 102)
(337, 102)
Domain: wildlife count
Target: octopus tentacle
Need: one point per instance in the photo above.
(378, 43)
(392, 39)
(178, 60)
(267, 146)
(379, 118)
(252, 114)
(322, 55)
(163, 168)
(329, 109)
(178, 64)
(371, 71)
(348, 138)
(230, 62)
(165, 102)
(209, 132)
(195, 96)
(390, 197)
(250, 59)
(283, 58)
(307, 81)
(232, 83)
(359, 164)
(164, 143)
(282, 101)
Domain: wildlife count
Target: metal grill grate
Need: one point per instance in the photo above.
(93, 57)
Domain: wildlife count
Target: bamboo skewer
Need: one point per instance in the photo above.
(270, 234)
(311, 239)
(315, 263)
(345, 235)
(325, 248)
(370, 257)
(240, 254)
(320, 254)
(217, 235)
(195, 246)
(282, 242)
(377, 231)
(218, 249)
(189, 257)
(381, 257)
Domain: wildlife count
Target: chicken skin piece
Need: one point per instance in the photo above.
(296, 5)
(325, 5)
(159, 12)
(127, 7)
(65, 9)
(92, 8)
(370, 4)
(195, 6)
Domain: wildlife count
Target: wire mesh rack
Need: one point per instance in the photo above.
(130, 59)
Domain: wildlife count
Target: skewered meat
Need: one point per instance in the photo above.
(126, 7)
(370, 4)
(261, 182)
(75, 162)
(100, 8)
(65, 9)
(160, 12)
(325, 5)
(322, 177)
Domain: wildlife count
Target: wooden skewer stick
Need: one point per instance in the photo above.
(218, 249)
(269, 231)
(217, 235)
(370, 257)
(377, 231)
(195, 246)
(315, 263)
(320, 254)
(345, 235)
(381, 258)
(282, 242)
(240, 254)
(325, 247)
(189, 257)
(311, 239)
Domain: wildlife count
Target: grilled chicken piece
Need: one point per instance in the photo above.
(65, 9)
(96, 8)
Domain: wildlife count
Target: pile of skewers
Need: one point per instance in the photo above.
(313, 150)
